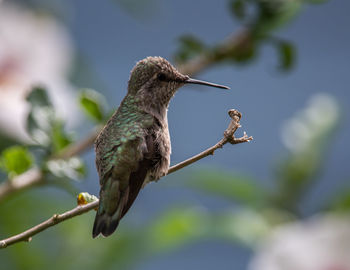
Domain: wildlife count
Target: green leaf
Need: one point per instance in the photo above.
(190, 46)
(340, 201)
(238, 8)
(308, 136)
(39, 122)
(273, 14)
(43, 125)
(38, 97)
(286, 52)
(245, 226)
(16, 160)
(40, 117)
(59, 138)
(244, 53)
(177, 227)
(69, 239)
(249, 226)
(92, 104)
(234, 187)
(72, 168)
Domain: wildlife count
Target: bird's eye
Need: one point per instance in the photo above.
(162, 77)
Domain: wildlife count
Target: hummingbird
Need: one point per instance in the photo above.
(134, 147)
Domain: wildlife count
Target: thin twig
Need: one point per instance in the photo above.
(81, 146)
(228, 137)
(55, 219)
(28, 179)
(34, 177)
(231, 45)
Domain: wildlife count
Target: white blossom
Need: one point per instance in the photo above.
(33, 50)
(320, 243)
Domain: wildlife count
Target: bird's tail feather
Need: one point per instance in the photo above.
(115, 201)
(106, 223)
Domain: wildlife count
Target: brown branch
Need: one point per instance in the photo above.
(57, 218)
(234, 44)
(28, 179)
(81, 146)
(228, 137)
(35, 177)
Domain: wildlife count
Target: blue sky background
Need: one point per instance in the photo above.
(112, 39)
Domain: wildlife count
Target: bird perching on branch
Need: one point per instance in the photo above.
(134, 147)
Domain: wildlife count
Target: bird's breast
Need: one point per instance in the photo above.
(162, 155)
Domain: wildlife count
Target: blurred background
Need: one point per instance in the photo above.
(278, 202)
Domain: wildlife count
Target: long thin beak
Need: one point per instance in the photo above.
(194, 81)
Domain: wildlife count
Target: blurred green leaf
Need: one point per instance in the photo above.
(92, 104)
(39, 122)
(40, 117)
(67, 239)
(341, 201)
(72, 168)
(244, 52)
(38, 97)
(307, 135)
(16, 160)
(273, 14)
(22, 212)
(190, 46)
(43, 125)
(294, 175)
(286, 53)
(7, 141)
(177, 227)
(245, 226)
(234, 187)
(59, 138)
(238, 8)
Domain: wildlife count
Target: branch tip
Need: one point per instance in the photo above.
(80, 209)
(234, 113)
(203, 61)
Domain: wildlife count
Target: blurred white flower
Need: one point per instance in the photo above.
(33, 50)
(246, 226)
(320, 243)
(311, 124)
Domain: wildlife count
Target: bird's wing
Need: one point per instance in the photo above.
(122, 171)
(137, 177)
(121, 142)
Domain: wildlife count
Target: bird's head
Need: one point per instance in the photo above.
(157, 79)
